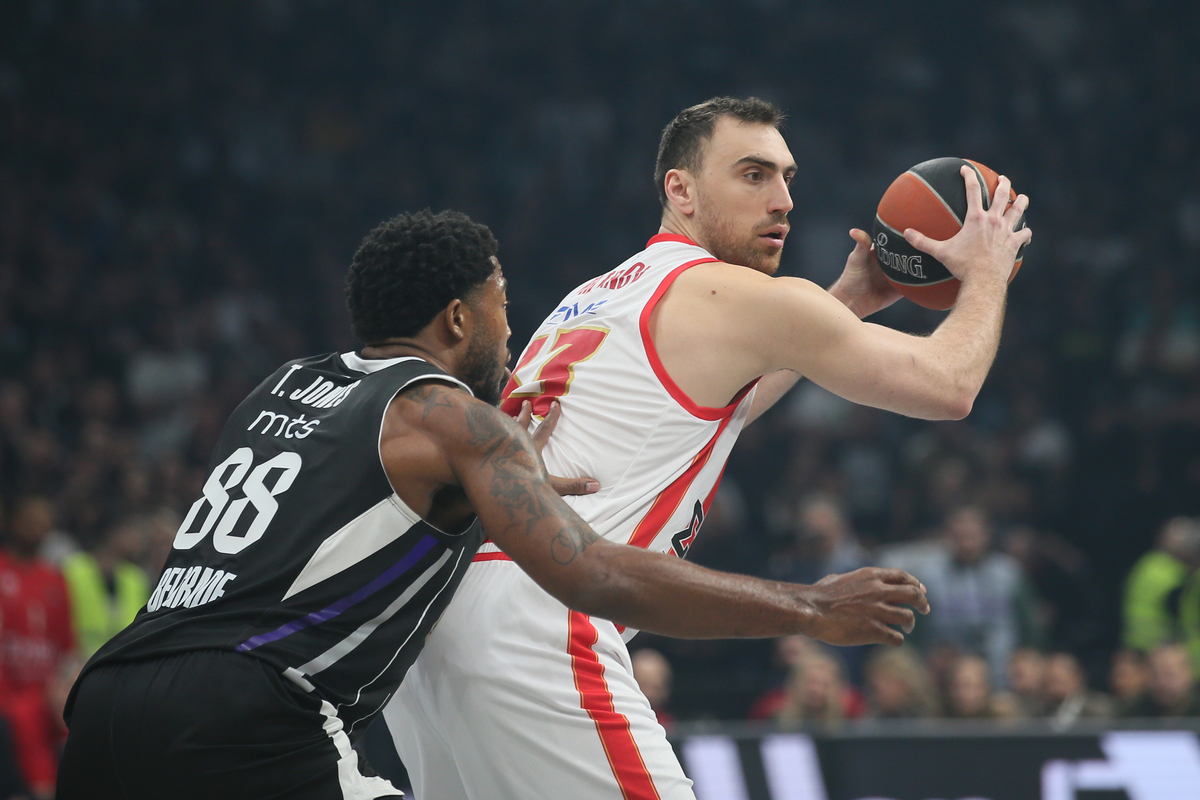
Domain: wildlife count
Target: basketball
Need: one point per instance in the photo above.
(931, 198)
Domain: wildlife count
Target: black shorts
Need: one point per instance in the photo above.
(206, 725)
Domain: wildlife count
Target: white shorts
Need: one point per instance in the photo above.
(516, 697)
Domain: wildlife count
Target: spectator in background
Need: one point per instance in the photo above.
(1067, 695)
(161, 527)
(1026, 681)
(1129, 680)
(816, 691)
(1065, 597)
(1152, 590)
(972, 590)
(35, 635)
(825, 543)
(653, 674)
(898, 685)
(106, 586)
(790, 652)
(1172, 685)
(970, 694)
(56, 697)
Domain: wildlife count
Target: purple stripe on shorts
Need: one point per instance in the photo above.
(317, 617)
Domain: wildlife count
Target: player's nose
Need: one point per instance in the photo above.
(781, 197)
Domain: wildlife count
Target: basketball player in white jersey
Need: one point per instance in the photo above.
(657, 366)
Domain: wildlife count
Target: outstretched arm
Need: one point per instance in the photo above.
(495, 463)
(735, 324)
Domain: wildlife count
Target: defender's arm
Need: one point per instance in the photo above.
(495, 463)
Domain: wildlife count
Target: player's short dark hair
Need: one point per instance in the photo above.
(411, 267)
(683, 140)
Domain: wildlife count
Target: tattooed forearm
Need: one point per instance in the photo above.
(569, 542)
(507, 467)
(518, 479)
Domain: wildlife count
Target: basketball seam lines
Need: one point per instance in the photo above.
(934, 192)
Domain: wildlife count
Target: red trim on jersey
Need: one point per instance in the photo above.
(490, 557)
(669, 499)
(670, 237)
(689, 405)
(712, 494)
(624, 757)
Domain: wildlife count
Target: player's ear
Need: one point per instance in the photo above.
(456, 320)
(681, 190)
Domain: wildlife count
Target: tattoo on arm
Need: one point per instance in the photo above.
(572, 540)
(519, 481)
(431, 397)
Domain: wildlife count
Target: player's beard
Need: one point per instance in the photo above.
(734, 246)
(483, 370)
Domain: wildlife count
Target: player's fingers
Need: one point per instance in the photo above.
(974, 193)
(862, 239)
(888, 636)
(524, 415)
(574, 486)
(894, 615)
(1016, 212)
(910, 596)
(1000, 198)
(542, 434)
(923, 242)
(1025, 235)
(897, 576)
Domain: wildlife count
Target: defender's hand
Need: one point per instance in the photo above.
(862, 287)
(987, 245)
(564, 486)
(858, 607)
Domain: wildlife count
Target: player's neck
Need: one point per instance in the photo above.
(680, 225)
(673, 222)
(400, 347)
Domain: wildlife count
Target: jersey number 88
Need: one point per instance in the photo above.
(225, 515)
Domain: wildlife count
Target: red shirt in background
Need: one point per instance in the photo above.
(854, 705)
(35, 633)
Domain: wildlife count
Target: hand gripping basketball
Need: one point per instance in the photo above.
(937, 199)
(987, 244)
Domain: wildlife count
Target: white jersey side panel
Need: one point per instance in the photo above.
(657, 455)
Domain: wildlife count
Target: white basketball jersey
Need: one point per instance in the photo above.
(657, 455)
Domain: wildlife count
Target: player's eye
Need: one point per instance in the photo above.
(754, 175)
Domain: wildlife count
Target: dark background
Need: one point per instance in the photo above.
(182, 187)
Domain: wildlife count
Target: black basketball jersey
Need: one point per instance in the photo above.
(298, 551)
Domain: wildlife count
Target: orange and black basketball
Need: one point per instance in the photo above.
(932, 198)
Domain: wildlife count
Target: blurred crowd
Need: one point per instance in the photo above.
(182, 186)
(953, 684)
(980, 655)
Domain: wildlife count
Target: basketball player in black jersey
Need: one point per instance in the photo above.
(347, 496)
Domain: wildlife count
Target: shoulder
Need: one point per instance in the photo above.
(748, 294)
(715, 274)
(448, 415)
